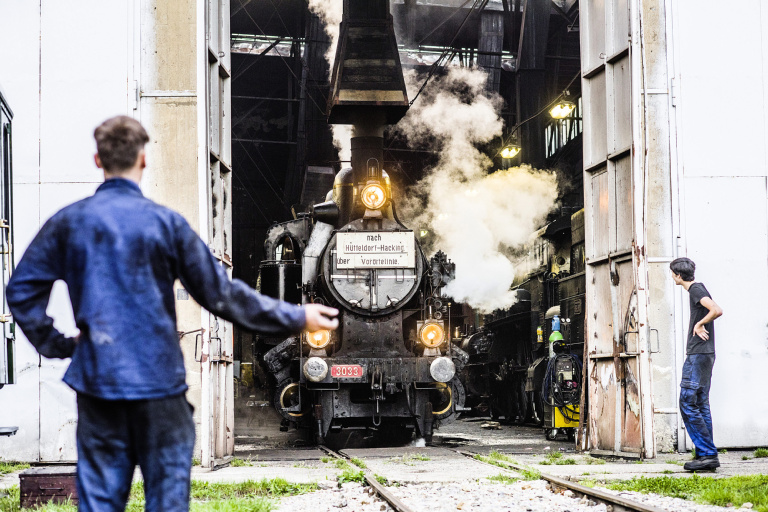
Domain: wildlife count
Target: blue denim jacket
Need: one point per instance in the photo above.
(120, 254)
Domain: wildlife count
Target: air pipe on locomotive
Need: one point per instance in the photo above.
(390, 366)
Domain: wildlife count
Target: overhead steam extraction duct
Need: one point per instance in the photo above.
(367, 86)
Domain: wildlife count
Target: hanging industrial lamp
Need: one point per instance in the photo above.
(562, 110)
(510, 151)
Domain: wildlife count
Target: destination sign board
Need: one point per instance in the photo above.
(380, 249)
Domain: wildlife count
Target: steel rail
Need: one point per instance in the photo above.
(618, 503)
(382, 491)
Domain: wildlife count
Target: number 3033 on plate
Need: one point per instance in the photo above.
(349, 371)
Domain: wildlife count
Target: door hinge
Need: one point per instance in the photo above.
(673, 88)
(135, 95)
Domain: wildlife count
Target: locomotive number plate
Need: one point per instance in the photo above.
(349, 371)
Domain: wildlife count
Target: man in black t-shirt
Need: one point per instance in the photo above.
(697, 369)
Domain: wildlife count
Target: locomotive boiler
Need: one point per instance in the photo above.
(390, 366)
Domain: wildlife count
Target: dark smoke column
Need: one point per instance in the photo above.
(367, 86)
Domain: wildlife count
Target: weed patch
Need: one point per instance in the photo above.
(351, 475)
(531, 474)
(381, 479)
(730, 491)
(760, 453)
(358, 462)
(556, 458)
(593, 460)
(504, 479)
(12, 467)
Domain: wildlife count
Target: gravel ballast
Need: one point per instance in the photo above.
(474, 496)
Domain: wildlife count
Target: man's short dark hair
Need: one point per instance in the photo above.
(118, 142)
(683, 267)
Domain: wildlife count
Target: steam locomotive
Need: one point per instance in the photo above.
(390, 366)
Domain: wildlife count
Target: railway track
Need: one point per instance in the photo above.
(381, 490)
(617, 503)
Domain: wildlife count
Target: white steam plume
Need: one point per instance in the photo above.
(477, 218)
(330, 12)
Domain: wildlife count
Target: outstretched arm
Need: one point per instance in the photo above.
(714, 312)
(29, 290)
(207, 281)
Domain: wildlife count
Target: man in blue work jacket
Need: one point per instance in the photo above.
(120, 254)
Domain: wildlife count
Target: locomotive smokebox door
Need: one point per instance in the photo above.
(43, 485)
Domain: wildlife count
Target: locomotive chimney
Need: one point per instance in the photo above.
(367, 86)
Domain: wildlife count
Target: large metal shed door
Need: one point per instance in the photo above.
(217, 416)
(615, 293)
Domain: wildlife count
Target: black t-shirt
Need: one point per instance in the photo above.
(696, 345)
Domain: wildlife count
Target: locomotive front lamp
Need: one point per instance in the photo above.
(432, 335)
(319, 339)
(510, 151)
(442, 369)
(373, 196)
(315, 369)
(562, 110)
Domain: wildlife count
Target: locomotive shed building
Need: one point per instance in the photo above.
(667, 153)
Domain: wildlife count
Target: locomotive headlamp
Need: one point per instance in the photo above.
(373, 196)
(510, 151)
(442, 369)
(562, 110)
(432, 335)
(315, 369)
(319, 339)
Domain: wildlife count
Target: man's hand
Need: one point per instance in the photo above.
(320, 317)
(701, 331)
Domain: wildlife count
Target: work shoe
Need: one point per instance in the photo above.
(708, 463)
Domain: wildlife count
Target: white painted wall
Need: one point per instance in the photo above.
(722, 172)
(64, 69)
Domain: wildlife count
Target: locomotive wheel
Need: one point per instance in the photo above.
(446, 398)
(288, 395)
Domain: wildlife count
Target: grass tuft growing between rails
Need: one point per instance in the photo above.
(760, 453)
(502, 478)
(499, 459)
(557, 459)
(348, 472)
(731, 491)
(250, 496)
(12, 467)
(358, 462)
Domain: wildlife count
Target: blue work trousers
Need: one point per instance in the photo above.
(113, 436)
(694, 402)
